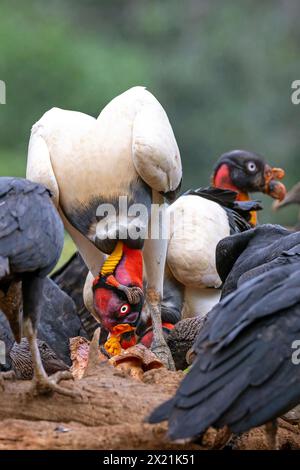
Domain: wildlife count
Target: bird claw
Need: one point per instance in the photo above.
(163, 353)
(49, 385)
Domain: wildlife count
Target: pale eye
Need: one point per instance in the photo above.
(251, 166)
(124, 309)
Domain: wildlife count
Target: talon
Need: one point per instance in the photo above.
(48, 385)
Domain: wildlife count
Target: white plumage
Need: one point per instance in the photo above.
(82, 159)
(132, 136)
(199, 224)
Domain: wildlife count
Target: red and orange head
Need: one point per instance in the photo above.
(118, 296)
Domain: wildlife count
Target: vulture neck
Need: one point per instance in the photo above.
(125, 265)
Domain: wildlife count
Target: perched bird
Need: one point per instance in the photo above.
(192, 283)
(244, 373)
(105, 174)
(292, 197)
(31, 240)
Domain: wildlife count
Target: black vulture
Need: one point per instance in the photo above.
(244, 256)
(245, 371)
(70, 278)
(31, 241)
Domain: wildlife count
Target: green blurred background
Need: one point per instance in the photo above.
(222, 70)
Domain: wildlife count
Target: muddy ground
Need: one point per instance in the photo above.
(109, 415)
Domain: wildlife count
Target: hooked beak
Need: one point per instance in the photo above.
(272, 187)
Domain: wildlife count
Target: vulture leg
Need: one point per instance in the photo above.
(154, 255)
(271, 429)
(32, 292)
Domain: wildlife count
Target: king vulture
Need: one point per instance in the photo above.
(192, 283)
(245, 372)
(31, 241)
(127, 155)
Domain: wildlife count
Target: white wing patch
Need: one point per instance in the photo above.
(199, 224)
(155, 152)
(39, 167)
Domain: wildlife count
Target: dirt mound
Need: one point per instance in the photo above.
(110, 415)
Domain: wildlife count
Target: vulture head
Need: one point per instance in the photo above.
(246, 172)
(118, 294)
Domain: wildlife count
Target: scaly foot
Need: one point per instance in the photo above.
(47, 385)
(162, 351)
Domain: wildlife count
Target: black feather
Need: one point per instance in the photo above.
(243, 374)
(31, 241)
(240, 253)
(70, 278)
(238, 212)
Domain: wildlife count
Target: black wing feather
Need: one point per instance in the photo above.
(240, 253)
(243, 360)
(71, 278)
(31, 231)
